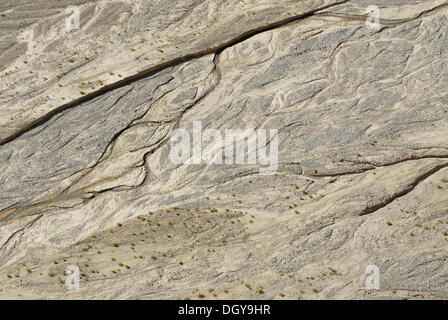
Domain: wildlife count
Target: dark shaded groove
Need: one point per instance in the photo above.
(30, 224)
(406, 191)
(374, 167)
(387, 22)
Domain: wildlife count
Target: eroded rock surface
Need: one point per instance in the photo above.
(47, 65)
(362, 120)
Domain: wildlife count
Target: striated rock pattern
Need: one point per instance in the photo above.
(362, 177)
(47, 66)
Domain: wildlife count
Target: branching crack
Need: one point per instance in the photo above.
(403, 192)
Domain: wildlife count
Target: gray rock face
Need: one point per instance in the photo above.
(57, 56)
(361, 184)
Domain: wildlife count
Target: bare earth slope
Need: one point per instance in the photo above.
(45, 67)
(363, 152)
